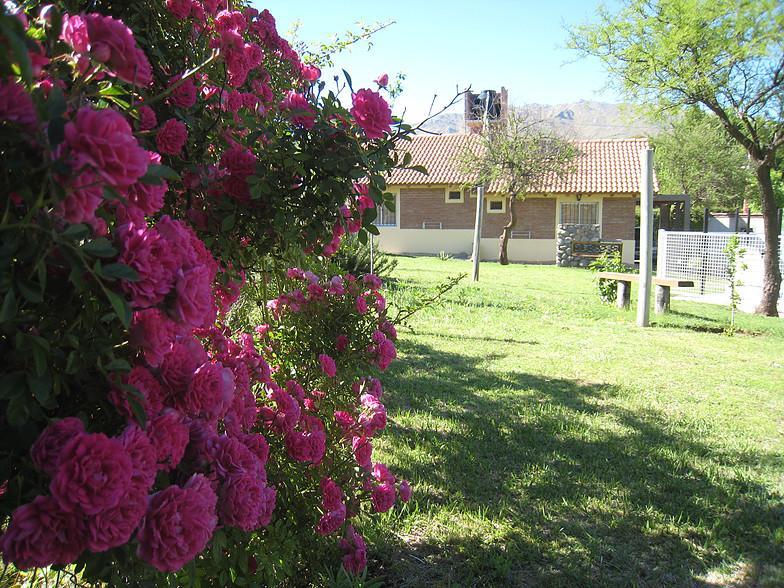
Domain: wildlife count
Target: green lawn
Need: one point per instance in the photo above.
(551, 442)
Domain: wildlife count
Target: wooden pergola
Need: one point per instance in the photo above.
(674, 211)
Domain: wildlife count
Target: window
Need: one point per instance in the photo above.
(496, 205)
(453, 195)
(579, 213)
(386, 217)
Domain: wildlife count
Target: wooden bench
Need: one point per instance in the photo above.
(663, 286)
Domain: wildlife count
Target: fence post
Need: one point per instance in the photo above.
(748, 220)
(705, 216)
(737, 219)
(661, 257)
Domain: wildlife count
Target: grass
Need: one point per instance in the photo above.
(551, 442)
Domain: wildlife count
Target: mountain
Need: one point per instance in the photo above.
(585, 119)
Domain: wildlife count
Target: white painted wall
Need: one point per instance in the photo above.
(458, 241)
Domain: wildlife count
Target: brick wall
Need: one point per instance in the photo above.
(533, 214)
(618, 218)
(425, 204)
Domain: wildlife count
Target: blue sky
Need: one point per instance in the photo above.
(442, 45)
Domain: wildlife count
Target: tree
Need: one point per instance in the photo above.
(726, 56)
(516, 156)
(695, 156)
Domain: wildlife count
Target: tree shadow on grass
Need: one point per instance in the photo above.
(549, 484)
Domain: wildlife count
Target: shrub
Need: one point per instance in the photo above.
(608, 261)
(156, 155)
(354, 258)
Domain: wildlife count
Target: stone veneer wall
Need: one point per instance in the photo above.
(568, 233)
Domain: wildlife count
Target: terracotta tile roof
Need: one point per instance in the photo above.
(603, 166)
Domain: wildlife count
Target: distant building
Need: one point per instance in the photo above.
(433, 213)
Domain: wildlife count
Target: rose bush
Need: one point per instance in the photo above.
(157, 158)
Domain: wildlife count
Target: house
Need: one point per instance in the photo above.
(435, 213)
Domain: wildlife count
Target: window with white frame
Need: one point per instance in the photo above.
(579, 213)
(386, 217)
(496, 205)
(454, 195)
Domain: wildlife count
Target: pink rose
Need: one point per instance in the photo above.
(93, 475)
(171, 137)
(383, 496)
(210, 392)
(382, 80)
(179, 8)
(299, 109)
(185, 94)
(74, 33)
(241, 501)
(285, 415)
(363, 451)
(177, 525)
(144, 457)
(361, 305)
(84, 194)
(152, 332)
(341, 343)
(355, 552)
(46, 450)
(372, 113)
(103, 140)
(310, 73)
(148, 198)
(327, 365)
(16, 106)
(146, 385)
(178, 366)
(142, 249)
(404, 491)
(169, 436)
(231, 457)
(195, 305)
(258, 446)
(41, 534)
(112, 43)
(306, 446)
(333, 506)
(114, 527)
(147, 118)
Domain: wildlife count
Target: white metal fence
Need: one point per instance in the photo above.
(700, 257)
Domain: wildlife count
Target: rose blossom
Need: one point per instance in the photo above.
(152, 332)
(16, 105)
(46, 450)
(179, 8)
(141, 249)
(147, 118)
(183, 95)
(171, 137)
(112, 43)
(146, 385)
(302, 112)
(241, 501)
(404, 491)
(144, 457)
(84, 194)
(372, 113)
(103, 140)
(382, 80)
(383, 496)
(210, 391)
(327, 365)
(169, 436)
(363, 451)
(177, 525)
(178, 366)
(148, 198)
(93, 475)
(353, 546)
(41, 534)
(114, 527)
(194, 305)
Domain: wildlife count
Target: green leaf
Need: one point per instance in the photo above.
(56, 103)
(373, 230)
(29, 291)
(9, 307)
(118, 365)
(159, 172)
(17, 412)
(419, 168)
(228, 222)
(111, 194)
(14, 35)
(100, 247)
(120, 306)
(11, 384)
(135, 400)
(79, 231)
(348, 81)
(55, 130)
(119, 271)
(41, 388)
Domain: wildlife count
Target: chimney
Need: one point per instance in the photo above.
(475, 105)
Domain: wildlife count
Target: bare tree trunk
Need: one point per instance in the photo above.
(771, 284)
(503, 256)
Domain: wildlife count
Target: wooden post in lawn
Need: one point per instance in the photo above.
(480, 198)
(646, 237)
